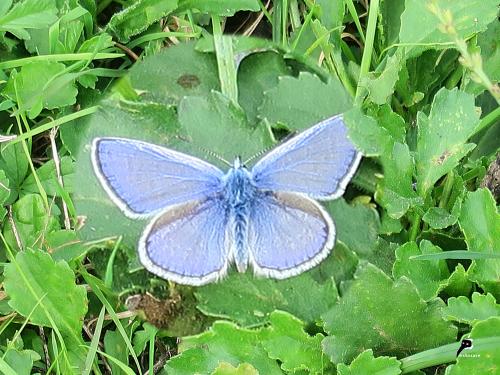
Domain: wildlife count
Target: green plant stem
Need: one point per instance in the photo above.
(368, 51)
(307, 21)
(225, 61)
(445, 354)
(276, 22)
(99, 294)
(265, 11)
(355, 17)
(21, 117)
(415, 226)
(455, 77)
(294, 15)
(333, 58)
(162, 35)
(448, 186)
(284, 23)
(456, 254)
(59, 57)
(488, 120)
(53, 124)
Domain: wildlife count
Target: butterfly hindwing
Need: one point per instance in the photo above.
(288, 234)
(143, 179)
(187, 243)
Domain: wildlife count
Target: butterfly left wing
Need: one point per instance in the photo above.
(318, 162)
(288, 234)
(188, 243)
(142, 178)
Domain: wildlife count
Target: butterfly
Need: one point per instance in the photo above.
(203, 219)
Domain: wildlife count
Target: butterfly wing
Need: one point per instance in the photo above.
(288, 234)
(187, 243)
(318, 162)
(142, 179)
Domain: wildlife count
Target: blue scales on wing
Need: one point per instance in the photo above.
(288, 233)
(188, 243)
(143, 179)
(318, 162)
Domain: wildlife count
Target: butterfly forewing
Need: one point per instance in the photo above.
(143, 179)
(318, 162)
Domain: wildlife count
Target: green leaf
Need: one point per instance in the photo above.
(380, 87)
(387, 316)
(258, 73)
(390, 21)
(216, 124)
(224, 342)
(340, 264)
(32, 222)
(142, 337)
(396, 193)
(490, 54)
(484, 361)
(420, 25)
(4, 6)
(292, 346)
(301, 102)
(462, 310)
(428, 275)
(331, 14)
(175, 72)
(250, 301)
(458, 283)
(28, 14)
(116, 347)
(96, 44)
(41, 84)
(4, 193)
(15, 164)
(357, 225)
(366, 363)
(220, 8)
(21, 360)
(439, 218)
(370, 138)
(443, 135)
(48, 177)
(225, 368)
(480, 223)
(389, 120)
(47, 290)
(64, 244)
(137, 17)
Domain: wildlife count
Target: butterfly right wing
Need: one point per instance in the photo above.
(188, 243)
(288, 234)
(142, 179)
(318, 162)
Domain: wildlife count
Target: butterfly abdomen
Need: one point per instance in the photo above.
(239, 194)
(240, 233)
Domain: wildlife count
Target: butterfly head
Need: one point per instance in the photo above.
(237, 164)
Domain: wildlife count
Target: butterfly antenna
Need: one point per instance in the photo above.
(269, 148)
(215, 155)
(207, 151)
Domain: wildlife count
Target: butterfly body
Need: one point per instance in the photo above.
(239, 193)
(204, 219)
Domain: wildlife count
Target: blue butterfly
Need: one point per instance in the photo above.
(205, 219)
